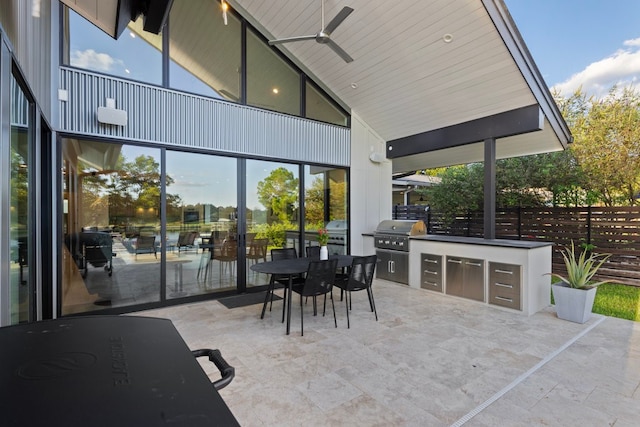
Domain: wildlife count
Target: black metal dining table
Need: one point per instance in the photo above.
(107, 371)
(292, 267)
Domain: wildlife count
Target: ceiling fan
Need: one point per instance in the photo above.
(324, 36)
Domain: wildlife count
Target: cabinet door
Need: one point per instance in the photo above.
(384, 265)
(473, 279)
(400, 267)
(455, 278)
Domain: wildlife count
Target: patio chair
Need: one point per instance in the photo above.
(257, 250)
(146, 245)
(318, 281)
(360, 278)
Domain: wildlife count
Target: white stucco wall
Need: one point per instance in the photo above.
(371, 196)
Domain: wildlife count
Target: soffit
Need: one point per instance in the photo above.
(409, 80)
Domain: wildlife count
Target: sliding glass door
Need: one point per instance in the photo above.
(202, 224)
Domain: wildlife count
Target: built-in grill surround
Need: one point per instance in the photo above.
(391, 240)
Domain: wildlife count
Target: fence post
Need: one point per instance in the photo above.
(589, 226)
(519, 223)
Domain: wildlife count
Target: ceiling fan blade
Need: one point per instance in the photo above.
(337, 20)
(337, 49)
(292, 39)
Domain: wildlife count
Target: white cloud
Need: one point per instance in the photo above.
(622, 68)
(92, 60)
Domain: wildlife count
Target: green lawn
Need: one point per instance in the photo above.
(622, 301)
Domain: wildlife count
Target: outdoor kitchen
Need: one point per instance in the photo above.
(502, 273)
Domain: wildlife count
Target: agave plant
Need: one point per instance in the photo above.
(581, 269)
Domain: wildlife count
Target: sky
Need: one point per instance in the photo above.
(593, 44)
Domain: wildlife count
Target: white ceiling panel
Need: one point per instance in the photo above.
(409, 79)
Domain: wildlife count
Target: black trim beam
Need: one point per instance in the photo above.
(513, 122)
(490, 188)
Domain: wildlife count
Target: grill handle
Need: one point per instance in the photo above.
(228, 372)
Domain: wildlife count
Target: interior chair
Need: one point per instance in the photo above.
(228, 256)
(318, 281)
(257, 251)
(146, 245)
(279, 254)
(209, 253)
(359, 278)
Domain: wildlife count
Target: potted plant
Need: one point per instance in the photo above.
(323, 239)
(575, 294)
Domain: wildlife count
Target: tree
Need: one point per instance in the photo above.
(279, 193)
(607, 143)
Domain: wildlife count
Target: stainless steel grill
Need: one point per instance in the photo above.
(391, 240)
(394, 234)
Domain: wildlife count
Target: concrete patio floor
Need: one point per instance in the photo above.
(430, 360)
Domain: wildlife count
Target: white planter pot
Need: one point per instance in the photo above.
(572, 304)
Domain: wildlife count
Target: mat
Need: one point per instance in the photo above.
(245, 300)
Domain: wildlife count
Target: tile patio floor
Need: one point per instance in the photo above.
(430, 360)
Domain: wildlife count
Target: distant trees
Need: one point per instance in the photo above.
(602, 166)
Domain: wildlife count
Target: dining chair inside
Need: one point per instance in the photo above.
(318, 281)
(360, 278)
(228, 256)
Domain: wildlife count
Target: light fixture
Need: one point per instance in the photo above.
(447, 38)
(225, 8)
(275, 90)
(354, 85)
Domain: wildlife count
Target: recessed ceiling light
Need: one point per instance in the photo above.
(275, 90)
(447, 38)
(354, 85)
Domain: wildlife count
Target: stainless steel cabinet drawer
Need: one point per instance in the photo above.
(504, 273)
(505, 285)
(431, 272)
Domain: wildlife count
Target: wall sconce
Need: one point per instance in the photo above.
(110, 115)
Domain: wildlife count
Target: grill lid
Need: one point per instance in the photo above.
(402, 227)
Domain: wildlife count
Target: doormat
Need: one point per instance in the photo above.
(245, 300)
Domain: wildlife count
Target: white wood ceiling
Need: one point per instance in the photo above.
(409, 80)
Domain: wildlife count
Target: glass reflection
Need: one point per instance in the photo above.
(272, 212)
(202, 228)
(20, 289)
(111, 216)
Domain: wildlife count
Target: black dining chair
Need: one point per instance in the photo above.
(279, 254)
(318, 281)
(313, 252)
(360, 278)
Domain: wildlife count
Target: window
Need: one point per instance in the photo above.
(271, 82)
(205, 54)
(318, 107)
(136, 55)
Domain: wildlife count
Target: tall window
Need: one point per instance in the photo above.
(136, 55)
(204, 52)
(20, 225)
(271, 82)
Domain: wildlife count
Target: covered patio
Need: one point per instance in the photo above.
(430, 360)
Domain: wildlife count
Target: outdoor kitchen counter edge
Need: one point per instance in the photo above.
(520, 244)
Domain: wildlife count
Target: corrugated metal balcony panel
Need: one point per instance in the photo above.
(170, 117)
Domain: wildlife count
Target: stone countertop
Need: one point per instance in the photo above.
(518, 244)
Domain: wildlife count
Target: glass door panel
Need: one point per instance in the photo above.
(111, 225)
(202, 226)
(326, 206)
(272, 211)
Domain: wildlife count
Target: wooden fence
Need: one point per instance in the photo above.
(612, 230)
